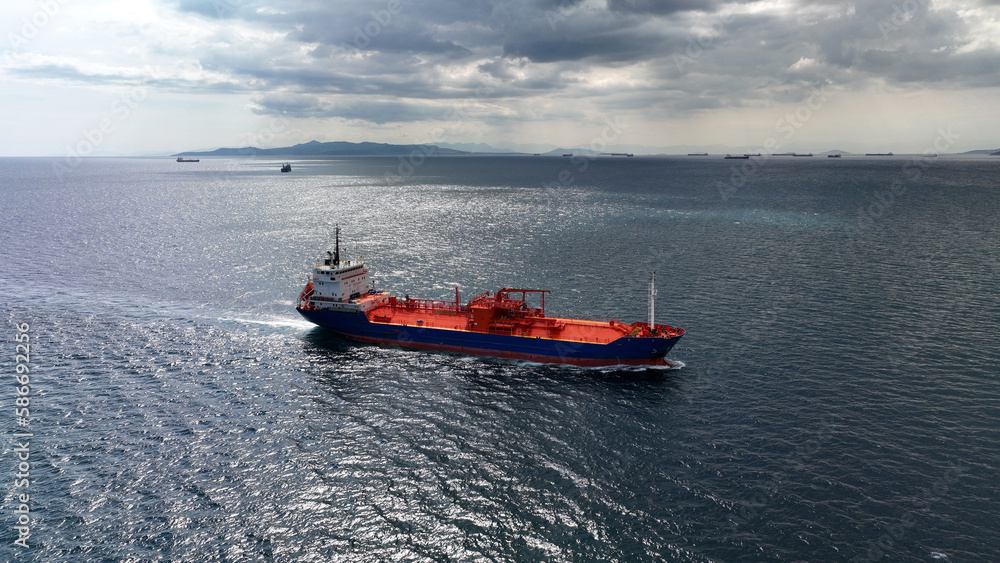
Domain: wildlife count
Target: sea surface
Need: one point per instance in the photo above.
(838, 398)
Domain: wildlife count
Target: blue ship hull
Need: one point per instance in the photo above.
(623, 351)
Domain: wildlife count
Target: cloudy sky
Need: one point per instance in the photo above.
(147, 76)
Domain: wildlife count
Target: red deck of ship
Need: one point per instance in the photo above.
(501, 314)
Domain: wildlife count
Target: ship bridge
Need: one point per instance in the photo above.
(336, 280)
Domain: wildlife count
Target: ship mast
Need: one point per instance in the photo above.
(652, 303)
(336, 248)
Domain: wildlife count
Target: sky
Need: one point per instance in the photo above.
(94, 77)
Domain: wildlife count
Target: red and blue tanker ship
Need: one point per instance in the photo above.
(340, 297)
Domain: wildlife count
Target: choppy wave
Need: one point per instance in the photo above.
(836, 400)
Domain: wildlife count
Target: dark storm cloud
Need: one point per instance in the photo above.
(607, 47)
(374, 111)
(907, 43)
(375, 30)
(871, 38)
(661, 6)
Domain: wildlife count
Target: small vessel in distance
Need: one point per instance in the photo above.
(833, 156)
(286, 168)
(182, 159)
(736, 156)
(338, 297)
(802, 154)
(697, 154)
(878, 154)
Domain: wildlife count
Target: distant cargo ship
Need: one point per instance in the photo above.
(182, 159)
(833, 156)
(737, 156)
(878, 154)
(802, 154)
(338, 297)
(697, 154)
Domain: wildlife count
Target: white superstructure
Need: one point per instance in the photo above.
(338, 281)
(343, 285)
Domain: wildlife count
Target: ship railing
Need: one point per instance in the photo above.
(641, 329)
(322, 261)
(434, 304)
(667, 330)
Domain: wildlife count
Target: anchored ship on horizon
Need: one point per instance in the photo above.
(339, 296)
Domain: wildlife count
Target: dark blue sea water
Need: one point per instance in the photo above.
(838, 399)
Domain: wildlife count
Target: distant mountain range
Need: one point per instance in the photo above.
(343, 148)
(482, 148)
(337, 148)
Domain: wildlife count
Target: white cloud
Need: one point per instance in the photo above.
(802, 64)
